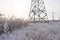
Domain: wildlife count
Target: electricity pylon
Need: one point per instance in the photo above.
(53, 16)
(38, 11)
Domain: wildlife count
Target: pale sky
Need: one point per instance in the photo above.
(20, 8)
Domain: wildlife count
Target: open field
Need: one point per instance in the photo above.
(35, 31)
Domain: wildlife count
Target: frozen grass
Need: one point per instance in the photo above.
(35, 31)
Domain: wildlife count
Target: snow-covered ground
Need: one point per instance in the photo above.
(35, 31)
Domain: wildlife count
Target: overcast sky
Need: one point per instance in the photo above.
(20, 8)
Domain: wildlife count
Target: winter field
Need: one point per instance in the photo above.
(35, 31)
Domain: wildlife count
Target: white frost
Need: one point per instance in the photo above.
(35, 31)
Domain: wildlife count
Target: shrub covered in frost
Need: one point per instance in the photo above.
(16, 24)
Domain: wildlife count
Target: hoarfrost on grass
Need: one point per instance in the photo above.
(37, 31)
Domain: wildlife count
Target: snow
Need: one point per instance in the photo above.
(35, 31)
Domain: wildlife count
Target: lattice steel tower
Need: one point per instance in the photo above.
(38, 11)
